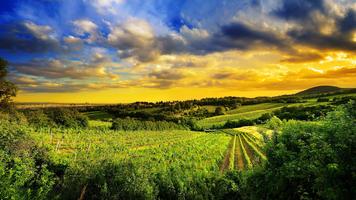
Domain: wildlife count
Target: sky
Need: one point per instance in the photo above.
(118, 51)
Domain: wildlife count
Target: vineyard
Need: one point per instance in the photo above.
(239, 149)
(245, 150)
(153, 150)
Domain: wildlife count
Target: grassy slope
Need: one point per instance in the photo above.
(253, 111)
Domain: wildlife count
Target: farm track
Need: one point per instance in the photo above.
(239, 163)
(226, 161)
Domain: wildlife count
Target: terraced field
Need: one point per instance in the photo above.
(245, 149)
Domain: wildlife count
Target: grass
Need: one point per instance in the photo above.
(250, 108)
(99, 124)
(221, 119)
(252, 112)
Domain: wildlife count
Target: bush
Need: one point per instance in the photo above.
(69, 118)
(303, 113)
(274, 123)
(38, 118)
(309, 160)
(239, 123)
(23, 166)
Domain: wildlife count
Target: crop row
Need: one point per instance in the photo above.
(245, 151)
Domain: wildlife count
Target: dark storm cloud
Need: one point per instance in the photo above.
(337, 41)
(233, 36)
(298, 9)
(347, 24)
(308, 29)
(245, 35)
(27, 37)
(238, 36)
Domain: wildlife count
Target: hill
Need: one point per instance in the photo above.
(320, 90)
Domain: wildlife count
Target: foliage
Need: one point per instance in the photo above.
(7, 89)
(219, 111)
(239, 123)
(64, 117)
(38, 118)
(310, 161)
(303, 113)
(274, 123)
(24, 172)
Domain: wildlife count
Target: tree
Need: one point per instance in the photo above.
(7, 89)
(219, 111)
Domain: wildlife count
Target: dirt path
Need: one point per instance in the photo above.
(226, 161)
(239, 163)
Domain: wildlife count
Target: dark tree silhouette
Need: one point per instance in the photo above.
(7, 89)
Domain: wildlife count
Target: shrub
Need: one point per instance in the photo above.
(69, 118)
(38, 118)
(239, 123)
(23, 166)
(274, 123)
(309, 160)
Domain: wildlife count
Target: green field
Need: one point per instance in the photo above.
(156, 150)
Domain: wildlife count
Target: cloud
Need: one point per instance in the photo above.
(345, 72)
(105, 6)
(321, 41)
(28, 37)
(318, 24)
(134, 38)
(299, 57)
(72, 40)
(58, 69)
(243, 36)
(298, 9)
(347, 24)
(85, 26)
(167, 75)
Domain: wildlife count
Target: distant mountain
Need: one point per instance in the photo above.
(321, 90)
